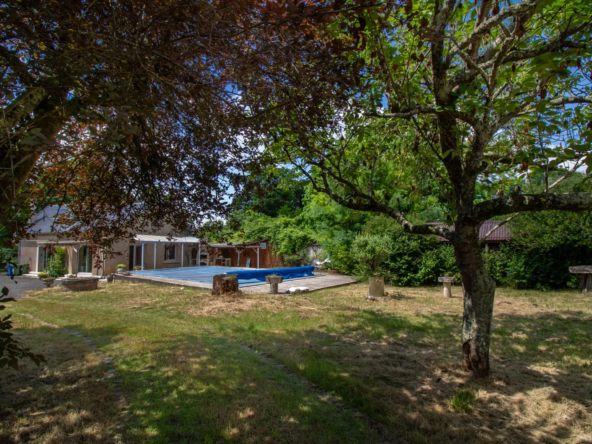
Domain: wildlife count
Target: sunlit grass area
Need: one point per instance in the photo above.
(328, 366)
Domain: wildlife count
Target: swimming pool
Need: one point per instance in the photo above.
(246, 276)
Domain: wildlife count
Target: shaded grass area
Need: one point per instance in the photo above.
(62, 402)
(332, 366)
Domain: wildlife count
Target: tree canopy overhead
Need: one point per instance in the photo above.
(132, 111)
(109, 104)
(478, 97)
(135, 111)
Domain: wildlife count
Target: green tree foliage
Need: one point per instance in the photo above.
(274, 192)
(545, 244)
(541, 269)
(370, 251)
(7, 255)
(10, 349)
(57, 264)
(469, 93)
(288, 236)
(413, 260)
(552, 229)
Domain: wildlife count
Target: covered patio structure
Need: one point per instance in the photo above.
(242, 254)
(170, 247)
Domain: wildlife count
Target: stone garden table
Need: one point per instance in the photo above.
(586, 280)
(273, 282)
(447, 281)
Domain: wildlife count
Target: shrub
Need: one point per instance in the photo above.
(370, 251)
(122, 266)
(10, 349)
(57, 265)
(414, 260)
(8, 255)
(42, 275)
(517, 267)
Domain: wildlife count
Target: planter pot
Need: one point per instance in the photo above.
(48, 282)
(80, 284)
(376, 287)
(120, 270)
(110, 279)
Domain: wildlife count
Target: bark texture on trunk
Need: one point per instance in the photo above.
(479, 292)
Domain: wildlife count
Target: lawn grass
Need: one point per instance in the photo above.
(329, 366)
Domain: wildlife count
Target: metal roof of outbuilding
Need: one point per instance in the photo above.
(502, 234)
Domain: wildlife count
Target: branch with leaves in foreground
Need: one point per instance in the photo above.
(10, 349)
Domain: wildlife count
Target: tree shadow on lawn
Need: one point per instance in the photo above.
(66, 400)
(403, 373)
(209, 389)
(185, 389)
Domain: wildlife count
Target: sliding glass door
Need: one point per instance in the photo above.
(134, 256)
(84, 259)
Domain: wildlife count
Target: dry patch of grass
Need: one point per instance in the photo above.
(64, 401)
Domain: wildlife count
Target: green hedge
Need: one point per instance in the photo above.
(513, 266)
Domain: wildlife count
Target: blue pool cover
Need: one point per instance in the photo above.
(287, 273)
(245, 276)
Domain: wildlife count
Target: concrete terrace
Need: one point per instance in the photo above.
(314, 283)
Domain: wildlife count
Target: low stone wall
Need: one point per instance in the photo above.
(80, 284)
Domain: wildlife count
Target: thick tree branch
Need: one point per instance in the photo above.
(371, 205)
(552, 103)
(510, 11)
(514, 203)
(485, 61)
(408, 113)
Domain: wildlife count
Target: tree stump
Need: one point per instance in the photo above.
(225, 284)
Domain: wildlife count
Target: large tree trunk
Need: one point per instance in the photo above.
(479, 292)
(16, 165)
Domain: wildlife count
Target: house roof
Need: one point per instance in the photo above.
(236, 244)
(44, 222)
(153, 238)
(502, 234)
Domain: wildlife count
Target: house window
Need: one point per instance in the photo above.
(169, 252)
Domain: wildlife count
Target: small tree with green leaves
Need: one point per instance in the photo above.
(10, 349)
(371, 251)
(57, 265)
